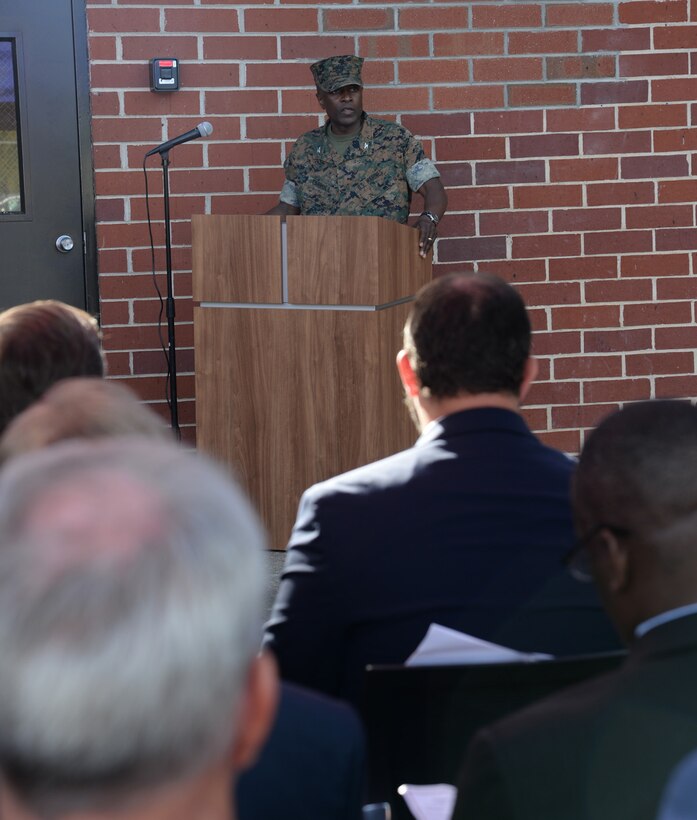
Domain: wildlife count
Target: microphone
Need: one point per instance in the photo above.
(203, 129)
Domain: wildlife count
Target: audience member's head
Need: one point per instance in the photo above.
(80, 408)
(635, 504)
(467, 336)
(131, 594)
(41, 343)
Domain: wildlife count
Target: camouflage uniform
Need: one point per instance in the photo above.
(373, 178)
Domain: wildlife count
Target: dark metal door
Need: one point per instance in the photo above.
(43, 90)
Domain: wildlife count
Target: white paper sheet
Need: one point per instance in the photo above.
(434, 802)
(442, 646)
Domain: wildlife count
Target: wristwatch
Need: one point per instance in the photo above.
(431, 216)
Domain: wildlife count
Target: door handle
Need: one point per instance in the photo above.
(65, 243)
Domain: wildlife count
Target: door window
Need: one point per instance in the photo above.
(11, 199)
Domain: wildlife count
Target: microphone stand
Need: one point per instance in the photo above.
(172, 354)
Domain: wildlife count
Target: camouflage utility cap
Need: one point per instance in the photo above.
(336, 72)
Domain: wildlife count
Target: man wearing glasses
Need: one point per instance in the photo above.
(605, 749)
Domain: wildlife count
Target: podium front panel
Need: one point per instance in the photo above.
(291, 397)
(237, 258)
(353, 260)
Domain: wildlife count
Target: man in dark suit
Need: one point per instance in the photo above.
(467, 528)
(312, 764)
(605, 749)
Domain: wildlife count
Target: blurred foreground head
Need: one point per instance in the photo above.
(635, 506)
(41, 343)
(131, 593)
(80, 408)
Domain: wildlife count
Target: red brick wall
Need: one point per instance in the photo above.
(563, 130)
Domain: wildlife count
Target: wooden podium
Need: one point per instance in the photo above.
(296, 327)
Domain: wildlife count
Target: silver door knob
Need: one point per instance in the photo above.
(65, 243)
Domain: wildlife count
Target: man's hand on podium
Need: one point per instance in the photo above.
(435, 203)
(427, 225)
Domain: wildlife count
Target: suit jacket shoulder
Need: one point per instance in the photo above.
(312, 765)
(603, 749)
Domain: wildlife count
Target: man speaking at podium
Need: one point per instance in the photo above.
(356, 165)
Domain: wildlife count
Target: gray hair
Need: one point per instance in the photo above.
(124, 651)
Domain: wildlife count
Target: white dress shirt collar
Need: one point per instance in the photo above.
(664, 618)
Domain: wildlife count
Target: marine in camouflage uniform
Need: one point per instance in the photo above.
(376, 176)
(357, 165)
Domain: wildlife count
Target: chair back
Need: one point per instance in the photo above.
(419, 720)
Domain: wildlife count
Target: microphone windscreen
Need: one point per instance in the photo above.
(205, 129)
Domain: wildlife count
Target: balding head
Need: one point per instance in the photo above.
(131, 593)
(638, 474)
(466, 345)
(468, 334)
